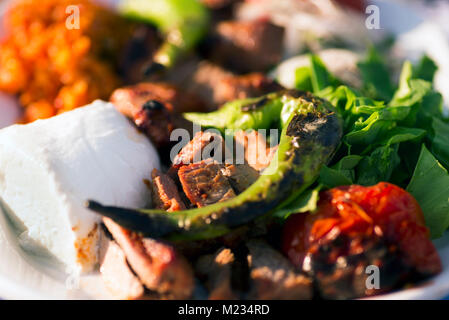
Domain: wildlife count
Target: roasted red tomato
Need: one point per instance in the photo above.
(357, 226)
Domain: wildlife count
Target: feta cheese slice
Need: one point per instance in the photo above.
(49, 168)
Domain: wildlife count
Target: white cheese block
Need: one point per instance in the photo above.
(49, 168)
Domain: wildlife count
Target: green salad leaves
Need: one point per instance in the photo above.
(392, 133)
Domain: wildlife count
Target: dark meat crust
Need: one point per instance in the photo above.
(247, 46)
(241, 176)
(157, 264)
(155, 108)
(129, 100)
(204, 183)
(165, 193)
(193, 151)
(273, 277)
(245, 86)
(216, 85)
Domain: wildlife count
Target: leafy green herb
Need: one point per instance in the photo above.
(306, 202)
(376, 77)
(430, 187)
(440, 141)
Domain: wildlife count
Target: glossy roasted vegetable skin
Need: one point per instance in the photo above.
(311, 132)
(182, 23)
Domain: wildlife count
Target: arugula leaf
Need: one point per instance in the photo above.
(366, 132)
(440, 141)
(378, 166)
(320, 76)
(331, 178)
(306, 202)
(376, 77)
(426, 69)
(402, 134)
(430, 187)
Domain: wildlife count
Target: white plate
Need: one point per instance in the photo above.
(27, 276)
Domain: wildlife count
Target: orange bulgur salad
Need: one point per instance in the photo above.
(53, 68)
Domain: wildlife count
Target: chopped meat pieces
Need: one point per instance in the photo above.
(201, 147)
(241, 176)
(200, 78)
(139, 49)
(116, 274)
(204, 183)
(217, 270)
(247, 46)
(216, 85)
(157, 264)
(165, 193)
(130, 100)
(245, 86)
(154, 107)
(256, 152)
(273, 276)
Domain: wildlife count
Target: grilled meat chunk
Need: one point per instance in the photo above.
(165, 193)
(157, 264)
(138, 51)
(241, 176)
(116, 274)
(129, 100)
(245, 86)
(272, 276)
(217, 270)
(201, 147)
(155, 108)
(246, 46)
(256, 151)
(216, 85)
(204, 183)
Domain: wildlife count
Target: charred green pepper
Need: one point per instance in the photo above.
(311, 132)
(182, 22)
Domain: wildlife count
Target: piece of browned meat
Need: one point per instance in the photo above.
(216, 85)
(246, 46)
(200, 77)
(130, 100)
(204, 183)
(241, 176)
(216, 269)
(115, 272)
(254, 147)
(155, 108)
(157, 264)
(245, 86)
(165, 193)
(273, 277)
(204, 145)
(138, 53)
